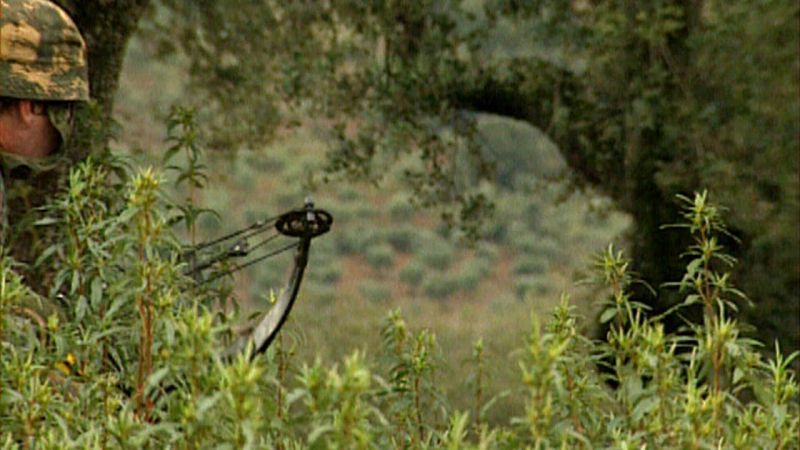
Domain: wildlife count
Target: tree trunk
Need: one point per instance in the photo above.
(565, 106)
(107, 26)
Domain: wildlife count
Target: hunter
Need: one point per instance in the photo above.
(43, 74)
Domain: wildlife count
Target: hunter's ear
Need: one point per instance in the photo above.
(25, 112)
(29, 112)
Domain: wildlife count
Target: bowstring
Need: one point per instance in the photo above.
(252, 230)
(249, 263)
(238, 249)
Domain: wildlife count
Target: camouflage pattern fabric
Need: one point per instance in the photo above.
(42, 54)
(3, 219)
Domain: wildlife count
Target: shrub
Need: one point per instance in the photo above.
(436, 254)
(543, 248)
(355, 240)
(403, 239)
(380, 256)
(550, 250)
(440, 286)
(269, 162)
(472, 272)
(530, 265)
(400, 208)
(496, 231)
(328, 273)
(532, 215)
(527, 243)
(412, 274)
(135, 359)
(486, 252)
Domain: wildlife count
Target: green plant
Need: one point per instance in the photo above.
(400, 208)
(131, 357)
(471, 273)
(530, 265)
(183, 137)
(355, 241)
(380, 256)
(403, 238)
(441, 286)
(325, 273)
(436, 253)
(412, 274)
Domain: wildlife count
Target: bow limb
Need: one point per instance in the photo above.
(304, 224)
(267, 328)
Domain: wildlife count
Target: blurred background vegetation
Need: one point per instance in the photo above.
(475, 153)
(386, 253)
(545, 128)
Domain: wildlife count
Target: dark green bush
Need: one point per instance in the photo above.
(403, 238)
(436, 254)
(355, 240)
(440, 286)
(468, 280)
(412, 274)
(486, 252)
(400, 208)
(472, 272)
(380, 256)
(328, 273)
(527, 243)
(530, 265)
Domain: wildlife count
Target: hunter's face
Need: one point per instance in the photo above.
(26, 131)
(43, 139)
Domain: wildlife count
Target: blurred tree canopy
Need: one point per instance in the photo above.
(645, 100)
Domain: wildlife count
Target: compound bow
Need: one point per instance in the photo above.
(302, 224)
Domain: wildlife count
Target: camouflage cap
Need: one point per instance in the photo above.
(42, 54)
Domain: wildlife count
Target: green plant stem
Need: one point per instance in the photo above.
(418, 406)
(145, 304)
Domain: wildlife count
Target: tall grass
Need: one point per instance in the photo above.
(134, 359)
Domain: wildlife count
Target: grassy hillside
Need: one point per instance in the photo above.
(383, 253)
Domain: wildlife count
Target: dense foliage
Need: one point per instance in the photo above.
(131, 357)
(104, 342)
(646, 100)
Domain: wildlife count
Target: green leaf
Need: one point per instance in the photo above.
(738, 374)
(47, 221)
(154, 380)
(96, 292)
(206, 403)
(295, 395)
(318, 432)
(608, 314)
(80, 308)
(645, 406)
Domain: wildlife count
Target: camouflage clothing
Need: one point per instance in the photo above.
(42, 58)
(3, 218)
(42, 54)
